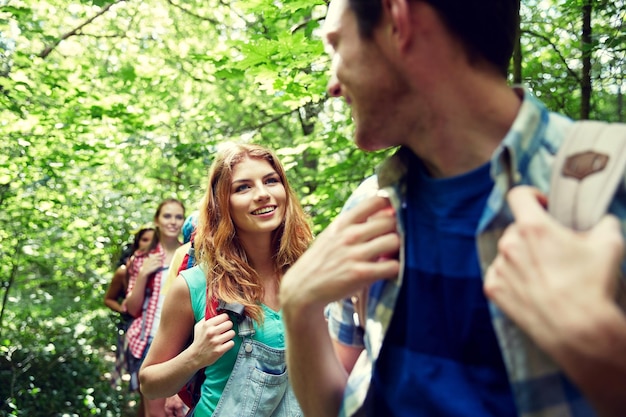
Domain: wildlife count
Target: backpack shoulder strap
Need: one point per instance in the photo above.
(587, 171)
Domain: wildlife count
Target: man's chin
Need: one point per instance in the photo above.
(369, 143)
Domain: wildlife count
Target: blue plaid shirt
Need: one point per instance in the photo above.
(525, 156)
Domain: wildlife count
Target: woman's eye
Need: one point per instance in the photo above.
(241, 188)
(272, 181)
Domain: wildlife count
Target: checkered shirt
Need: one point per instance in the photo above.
(139, 331)
(525, 156)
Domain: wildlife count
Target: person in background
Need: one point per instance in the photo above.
(444, 330)
(189, 228)
(146, 271)
(251, 229)
(116, 293)
(174, 406)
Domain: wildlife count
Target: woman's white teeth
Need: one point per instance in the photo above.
(264, 210)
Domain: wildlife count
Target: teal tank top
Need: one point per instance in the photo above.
(271, 333)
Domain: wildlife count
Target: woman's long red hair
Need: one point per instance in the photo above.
(219, 251)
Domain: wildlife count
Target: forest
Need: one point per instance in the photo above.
(108, 107)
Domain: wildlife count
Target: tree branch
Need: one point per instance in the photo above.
(48, 49)
(556, 50)
(304, 23)
(267, 122)
(235, 11)
(190, 13)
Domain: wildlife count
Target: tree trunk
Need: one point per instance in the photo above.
(517, 52)
(8, 284)
(620, 103)
(586, 47)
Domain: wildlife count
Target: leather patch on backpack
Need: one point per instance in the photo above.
(583, 164)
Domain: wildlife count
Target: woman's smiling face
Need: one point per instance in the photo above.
(257, 197)
(170, 219)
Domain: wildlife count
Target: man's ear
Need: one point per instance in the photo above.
(399, 14)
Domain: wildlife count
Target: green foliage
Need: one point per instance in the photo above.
(52, 368)
(552, 55)
(107, 107)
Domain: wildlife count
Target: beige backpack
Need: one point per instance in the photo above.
(587, 171)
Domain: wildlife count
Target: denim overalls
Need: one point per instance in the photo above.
(258, 384)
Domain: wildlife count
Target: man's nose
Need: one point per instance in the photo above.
(334, 86)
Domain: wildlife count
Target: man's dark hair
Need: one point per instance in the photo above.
(488, 28)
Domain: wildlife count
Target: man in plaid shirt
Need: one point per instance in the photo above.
(447, 331)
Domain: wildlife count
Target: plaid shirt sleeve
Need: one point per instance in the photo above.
(341, 314)
(341, 323)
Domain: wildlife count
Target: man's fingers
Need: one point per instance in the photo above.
(373, 228)
(386, 245)
(609, 229)
(527, 203)
(364, 210)
(608, 224)
(370, 272)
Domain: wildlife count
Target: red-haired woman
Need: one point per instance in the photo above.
(251, 229)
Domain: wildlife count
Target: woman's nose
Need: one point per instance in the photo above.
(262, 193)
